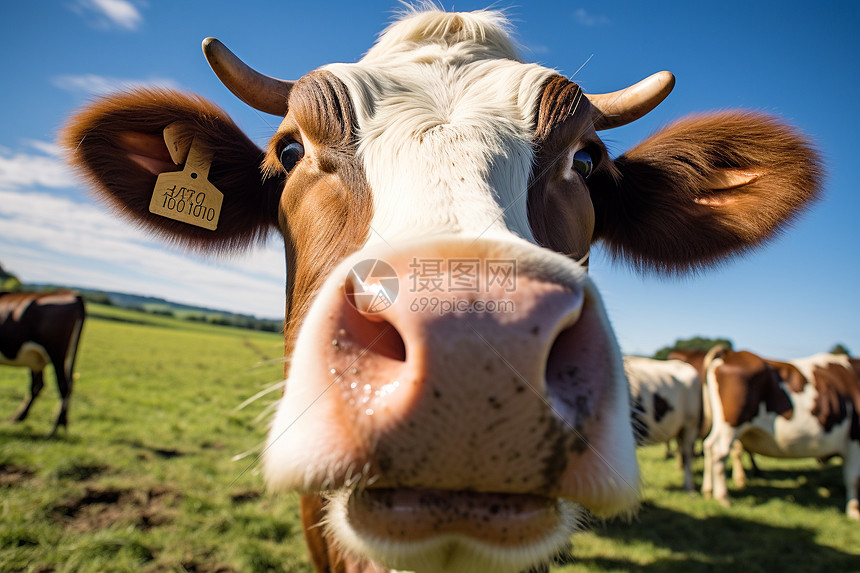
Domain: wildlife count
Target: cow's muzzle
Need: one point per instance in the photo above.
(456, 389)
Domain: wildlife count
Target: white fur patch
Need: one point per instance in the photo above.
(445, 131)
(31, 355)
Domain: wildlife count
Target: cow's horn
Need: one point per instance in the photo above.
(255, 89)
(624, 106)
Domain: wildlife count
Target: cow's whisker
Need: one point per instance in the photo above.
(279, 385)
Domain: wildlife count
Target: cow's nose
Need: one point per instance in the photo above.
(471, 362)
(426, 323)
(457, 365)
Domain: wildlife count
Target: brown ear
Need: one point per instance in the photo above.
(703, 189)
(117, 144)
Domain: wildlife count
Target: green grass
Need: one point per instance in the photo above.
(144, 478)
(789, 519)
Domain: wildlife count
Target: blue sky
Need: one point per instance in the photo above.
(798, 60)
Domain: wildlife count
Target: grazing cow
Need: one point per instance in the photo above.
(667, 404)
(802, 408)
(37, 330)
(455, 394)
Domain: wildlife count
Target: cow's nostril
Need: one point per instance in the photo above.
(369, 331)
(574, 369)
(560, 369)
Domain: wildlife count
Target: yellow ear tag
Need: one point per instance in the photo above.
(187, 195)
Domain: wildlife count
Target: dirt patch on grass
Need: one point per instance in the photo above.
(197, 567)
(100, 507)
(245, 496)
(256, 349)
(80, 471)
(12, 475)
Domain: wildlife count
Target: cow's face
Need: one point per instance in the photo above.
(454, 390)
(492, 383)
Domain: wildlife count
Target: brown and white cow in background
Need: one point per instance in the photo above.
(466, 440)
(696, 358)
(37, 330)
(666, 397)
(802, 408)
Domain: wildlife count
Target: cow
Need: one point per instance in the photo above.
(455, 397)
(667, 405)
(806, 407)
(37, 330)
(696, 358)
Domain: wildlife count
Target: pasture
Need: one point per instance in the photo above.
(145, 478)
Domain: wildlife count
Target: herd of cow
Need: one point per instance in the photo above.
(471, 440)
(798, 409)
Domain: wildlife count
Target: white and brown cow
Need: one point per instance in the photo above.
(466, 439)
(37, 330)
(666, 396)
(696, 358)
(802, 408)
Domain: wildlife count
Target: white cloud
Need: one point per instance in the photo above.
(111, 13)
(46, 238)
(46, 147)
(26, 170)
(589, 20)
(96, 85)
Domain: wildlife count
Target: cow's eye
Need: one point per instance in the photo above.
(582, 163)
(291, 154)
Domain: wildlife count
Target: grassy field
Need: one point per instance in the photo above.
(145, 480)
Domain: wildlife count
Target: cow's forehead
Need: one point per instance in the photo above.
(445, 119)
(448, 67)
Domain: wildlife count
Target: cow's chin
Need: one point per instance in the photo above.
(429, 531)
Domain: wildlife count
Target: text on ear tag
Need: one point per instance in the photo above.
(187, 195)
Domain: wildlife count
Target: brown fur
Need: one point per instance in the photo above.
(789, 374)
(661, 213)
(97, 140)
(744, 381)
(837, 387)
(325, 205)
(324, 554)
(560, 212)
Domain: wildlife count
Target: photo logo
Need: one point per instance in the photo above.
(435, 285)
(376, 286)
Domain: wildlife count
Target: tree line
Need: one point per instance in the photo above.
(704, 344)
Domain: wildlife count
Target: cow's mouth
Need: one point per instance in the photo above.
(438, 530)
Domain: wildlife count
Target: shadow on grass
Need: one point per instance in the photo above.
(720, 543)
(802, 487)
(37, 431)
(820, 487)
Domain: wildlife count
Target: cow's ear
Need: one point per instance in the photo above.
(117, 144)
(704, 188)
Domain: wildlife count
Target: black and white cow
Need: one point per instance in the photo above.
(667, 405)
